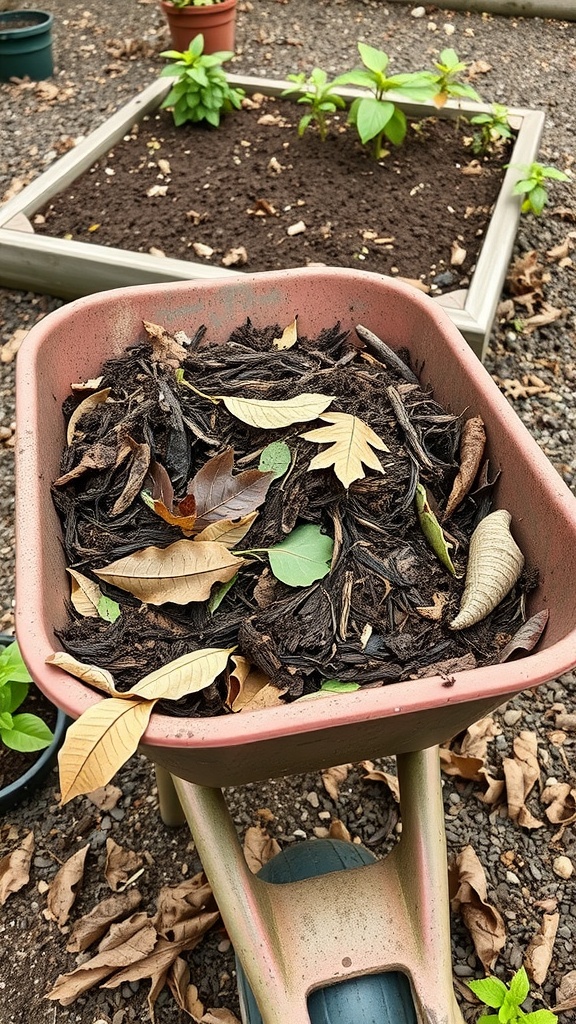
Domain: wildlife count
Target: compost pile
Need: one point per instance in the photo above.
(314, 568)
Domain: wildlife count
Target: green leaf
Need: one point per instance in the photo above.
(491, 991)
(525, 185)
(538, 199)
(357, 77)
(219, 593)
(449, 58)
(108, 609)
(540, 1017)
(553, 172)
(303, 557)
(508, 1012)
(28, 733)
(396, 128)
(338, 686)
(372, 116)
(303, 123)
(432, 530)
(6, 722)
(488, 1018)
(12, 665)
(520, 986)
(375, 60)
(14, 693)
(276, 457)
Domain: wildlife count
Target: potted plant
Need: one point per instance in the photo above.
(28, 746)
(26, 45)
(215, 19)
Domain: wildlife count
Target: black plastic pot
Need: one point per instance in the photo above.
(22, 787)
(26, 45)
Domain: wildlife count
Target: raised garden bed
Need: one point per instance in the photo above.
(70, 268)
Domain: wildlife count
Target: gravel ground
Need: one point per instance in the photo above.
(104, 53)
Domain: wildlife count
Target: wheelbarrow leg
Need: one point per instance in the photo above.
(294, 937)
(170, 807)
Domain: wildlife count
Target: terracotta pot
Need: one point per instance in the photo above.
(217, 23)
(306, 736)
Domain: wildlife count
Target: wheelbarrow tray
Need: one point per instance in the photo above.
(72, 343)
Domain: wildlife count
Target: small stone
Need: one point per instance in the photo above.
(512, 717)
(312, 799)
(563, 867)
(512, 879)
(432, 26)
(224, 946)
(449, 29)
(418, 12)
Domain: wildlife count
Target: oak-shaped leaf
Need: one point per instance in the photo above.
(303, 557)
(183, 572)
(350, 443)
(219, 494)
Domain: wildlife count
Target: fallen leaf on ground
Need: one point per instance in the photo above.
(137, 473)
(338, 830)
(334, 778)
(566, 993)
(15, 868)
(376, 775)
(461, 766)
(120, 864)
(185, 994)
(521, 773)
(350, 442)
(182, 902)
(434, 611)
(85, 595)
(472, 444)
(478, 67)
(259, 848)
(560, 802)
(105, 798)
(95, 924)
(219, 1016)
(9, 351)
(63, 890)
(539, 952)
(469, 898)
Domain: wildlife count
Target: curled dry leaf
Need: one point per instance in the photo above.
(334, 778)
(259, 848)
(527, 636)
(338, 830)
(472, 444)
(85, 595)
(460, 765)
(521, 773)
(99, 742)
(120, 864)
(15, 868)
(435, 610)
(86, 406)
(105, 797)
(289, 336)
(185, 994)
(180, 573)
(469, 897)
(165, 348)
(92, 926)
(560, 802)
(377, 775)
(100, 455)
(63, 892)
(539, 952)
(494, 565)
(137, 474)
(350, 442)
(182, 902)
(100, 678)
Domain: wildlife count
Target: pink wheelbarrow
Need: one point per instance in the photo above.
(371, 942)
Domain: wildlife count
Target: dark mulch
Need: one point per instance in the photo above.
(247, 183)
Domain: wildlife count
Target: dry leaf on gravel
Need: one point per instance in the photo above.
(120, 864)
(350, 442)
(338, 830)
(259, 848)
(560, 802)
(182, 902)
(521, 773)
(376, 775)
(185, 994)
(566, 993)
(469, 898)
(539, 952)
(63, 890)
(92, 926)
(105, 798)
(219, 1016)
(334, 778)
(9, 351)
(463, 767)
(15, 868)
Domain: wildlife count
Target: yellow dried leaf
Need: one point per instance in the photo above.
(100, 678)
(188, 674)
(539, 952)
(469, 897)
(289, 336)
(95, 924)
(228, 532)
(99, 742)
(350, 441)
(15, 868)
(184, 571)
(85, 594)
(268, 415)
(86, 406)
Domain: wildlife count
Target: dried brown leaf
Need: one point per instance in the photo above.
(289, 336)
(334, 778)
(180, 573)
(338, 830)
(566, 993)
(95, 924)
(350, 442)
(15, 868)
(521, 773)
(63, 890)
(469, 897)
(182, 902)
(236, 677)
(472, 444)
(165, 348)
(560, 802)
(221, 495)
(97, 677)
(434, 611)
(120, 864)
(259, 848)
(539, 952)
(86, 406)
(105, 797)
(254, 689)
(99, 456)
(460, 765)
(377, 775)
(85, 595)
(477, 736)
(190, 673)
(136, 475)
(219, 1016)
(226, 531)
(185, 994)
(527, 636)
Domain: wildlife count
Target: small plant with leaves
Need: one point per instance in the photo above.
(202, 91)
(24, 732)
(180, 4)
(319, 96)
(507, 1000)
(447, 79)
(377, 117)
(532, 185)
(492, 129)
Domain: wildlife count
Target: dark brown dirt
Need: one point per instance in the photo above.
(400, 215)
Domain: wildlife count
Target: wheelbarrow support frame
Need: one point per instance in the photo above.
(291, 938)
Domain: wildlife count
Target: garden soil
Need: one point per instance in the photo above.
(104, 54)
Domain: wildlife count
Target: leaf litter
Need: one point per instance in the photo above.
(335, 579)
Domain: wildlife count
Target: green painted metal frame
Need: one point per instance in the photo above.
(299, 936)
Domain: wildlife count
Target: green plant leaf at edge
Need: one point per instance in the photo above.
(219, 593)
(540, 1017)
(432, 530)
(108, 609)
(338, 686)
(520, 986)
(12, 665)
(303, 557)
(488, 1018)
(491, 991)
(28, 733)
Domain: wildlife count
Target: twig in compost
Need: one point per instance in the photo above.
(412, 439)
(386, 354)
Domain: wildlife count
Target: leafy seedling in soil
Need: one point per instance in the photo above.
(446, 79)
(376, 117)
(24, 732)
(508, 1001)
(531, 185)
(317, 93)
(493, 129)
(202, 91)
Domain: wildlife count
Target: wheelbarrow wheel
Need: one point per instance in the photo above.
(372, 999)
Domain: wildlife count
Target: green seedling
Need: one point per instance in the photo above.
(507, 1000)
(446, 79)
(493, 128)
(23, 732)
(377, 117)
(202, 91)
(318, 96)
(531, 185)
(194, 3)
